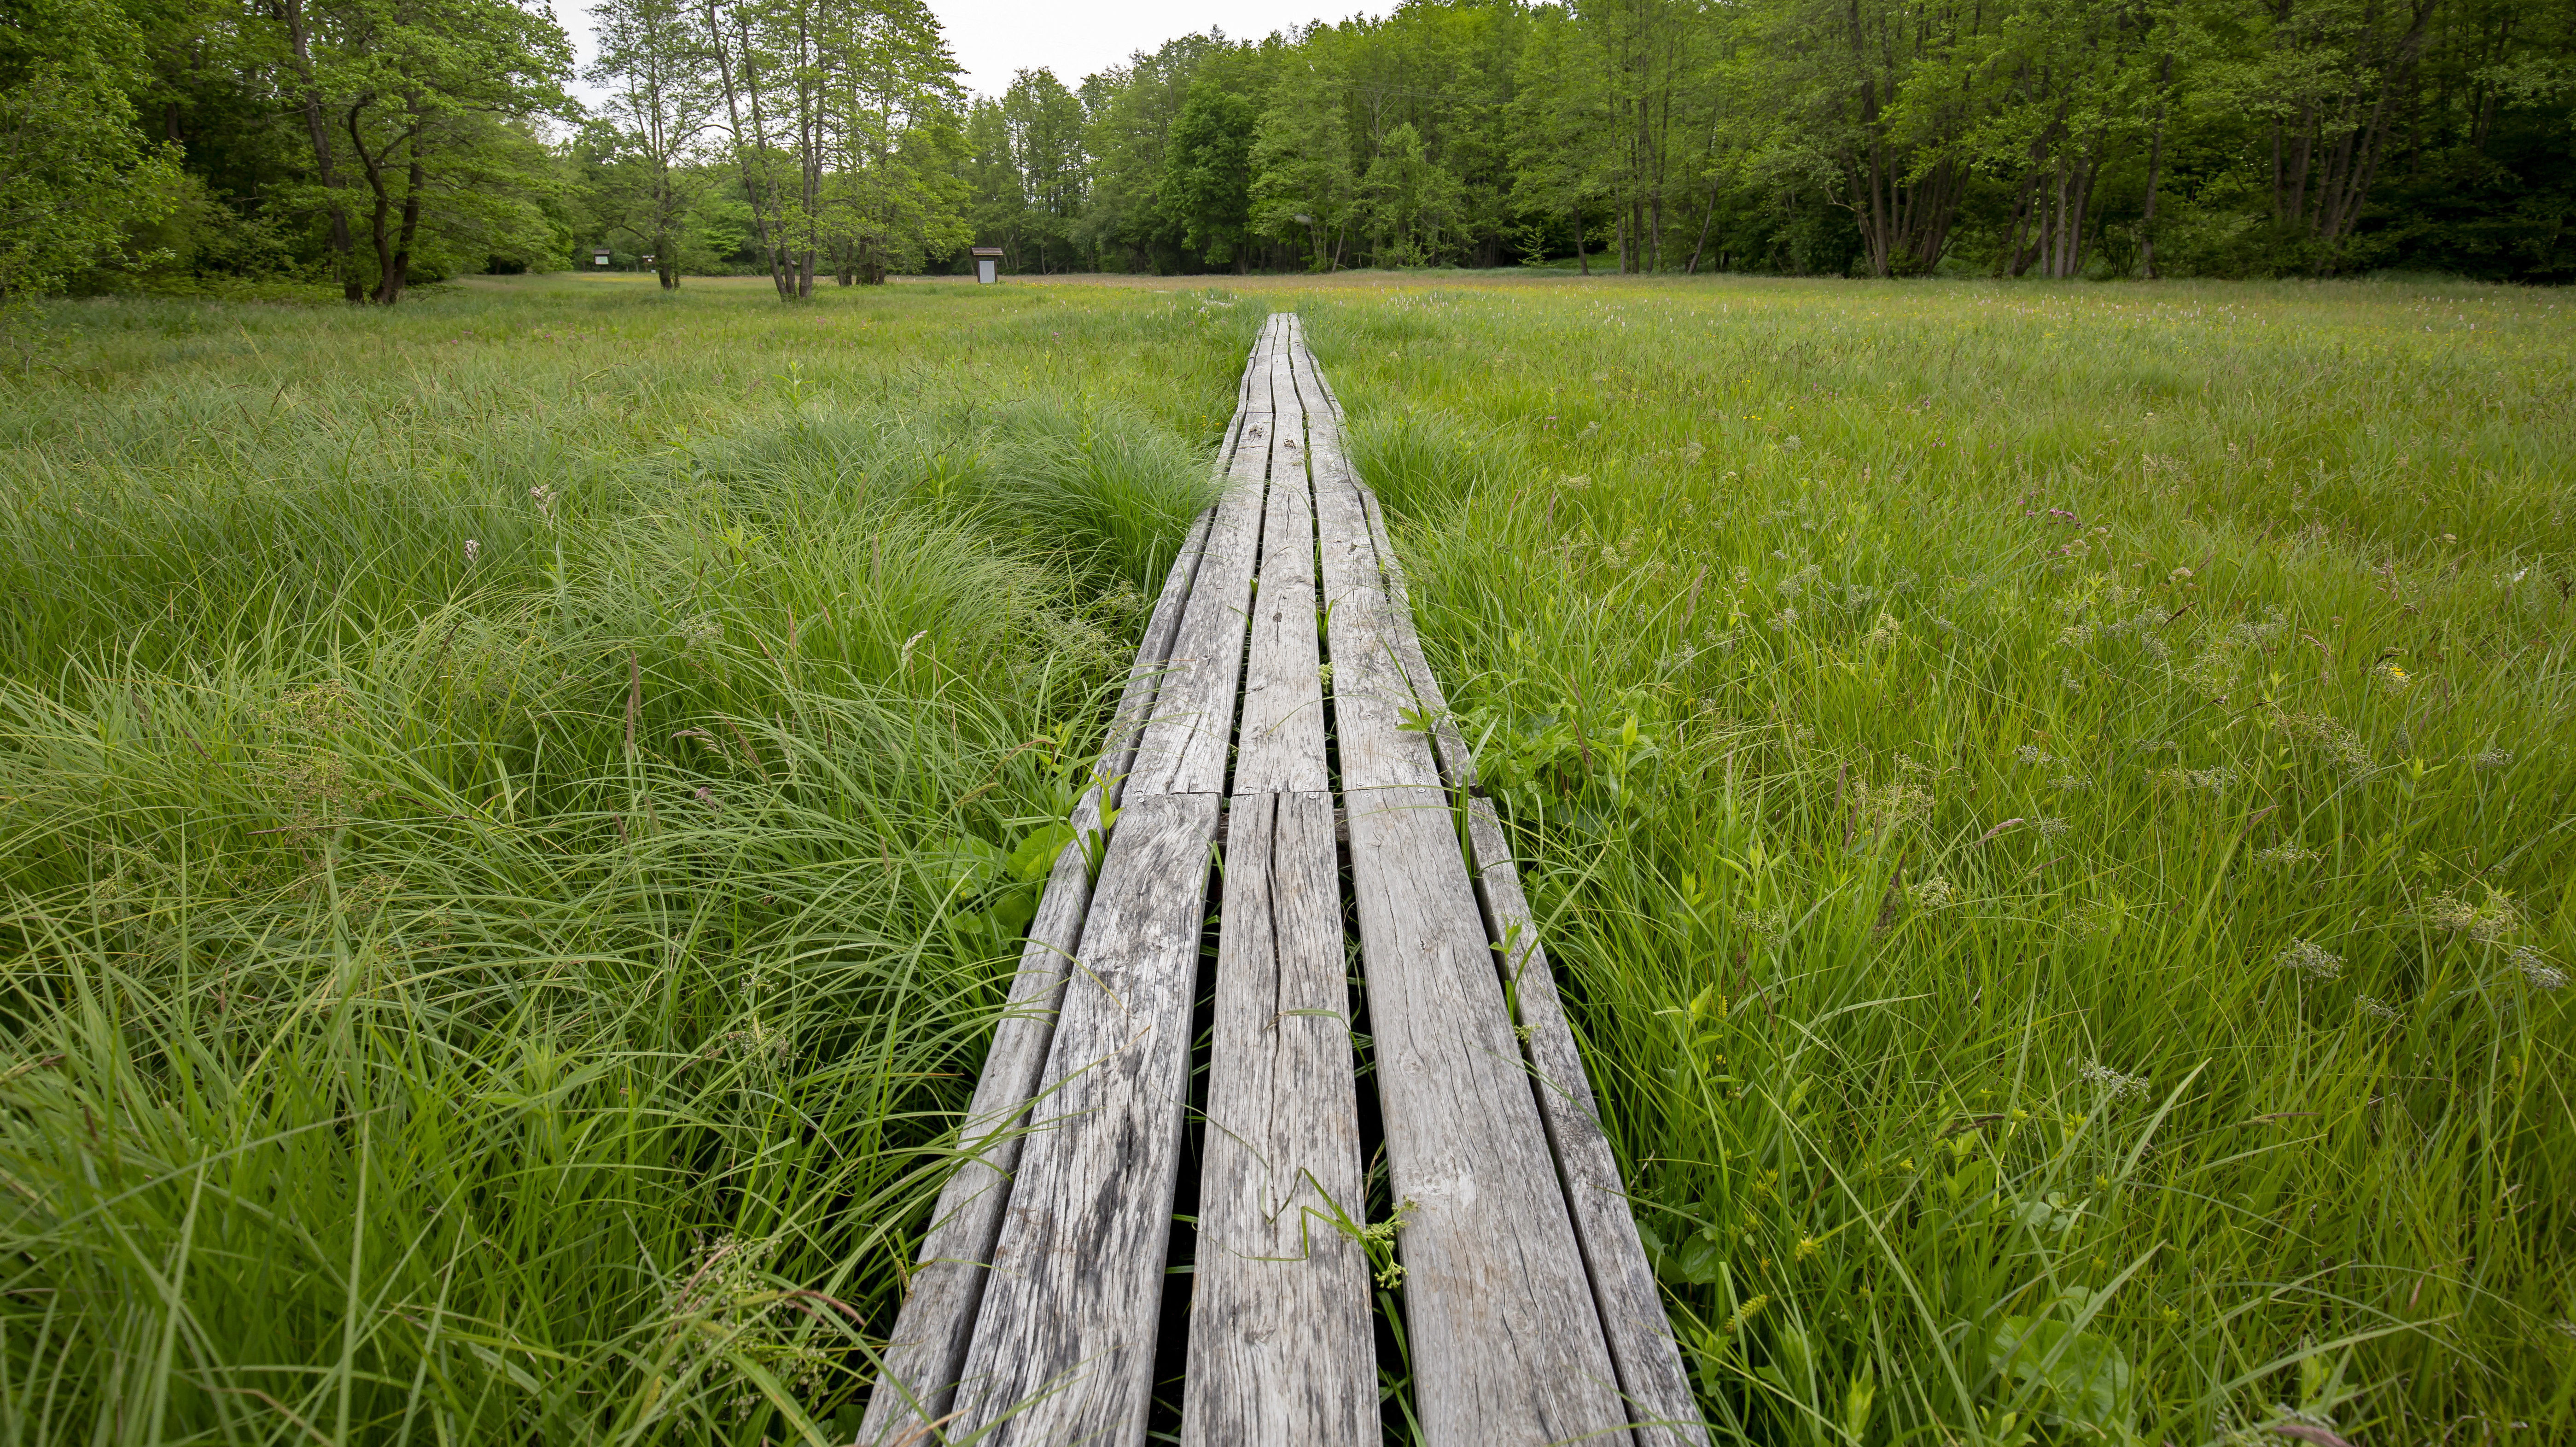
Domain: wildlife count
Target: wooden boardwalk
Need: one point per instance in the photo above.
(1261, 768)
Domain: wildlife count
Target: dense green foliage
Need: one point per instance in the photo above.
(182, 144)
(1886, 137)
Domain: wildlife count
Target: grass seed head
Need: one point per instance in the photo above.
(2310, 959)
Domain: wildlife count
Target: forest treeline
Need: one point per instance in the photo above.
(374, 143)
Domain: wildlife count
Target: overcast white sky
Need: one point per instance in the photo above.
(995, 38)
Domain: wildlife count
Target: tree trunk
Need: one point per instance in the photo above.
(2076, 239)
(380, 219)
(389, 289)
(766, 223)
(1701, 245)
(2155, 173)
(290, 13)
(1582, 258)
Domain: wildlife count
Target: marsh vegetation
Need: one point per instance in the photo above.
(2050, 806)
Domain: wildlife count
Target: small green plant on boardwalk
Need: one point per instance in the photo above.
(2055, 806)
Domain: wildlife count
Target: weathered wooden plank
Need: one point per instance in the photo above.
(1457, 763)
(927, 1351)
(1063, 1349)
(1332, 401)
(1281, 740)
(1281, 1346)
(1423, 689)
(1189, 741)
(1371, 694)
(1506, 1342)
(1640, 1335)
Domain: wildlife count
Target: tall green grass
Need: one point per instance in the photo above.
(507, 814)
(2051, 804)
(2055, 806)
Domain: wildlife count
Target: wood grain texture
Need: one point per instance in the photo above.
(1644, 1354)
(1189, 742)
(1507, 1348)
(1331, 400)
(1457, 763)
(926, 1352)
(1281, 741)
(1281, 1345)
(1640, 1335)
(1063, 1348)
(1371, 693)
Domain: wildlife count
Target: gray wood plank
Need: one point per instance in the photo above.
(1640, 1334)
(1507, 1344)
(1281, 1345)
(1457, 763)
(1189, 742)
(926, 1353)
(1332, 400)
(1323, 412)
(1507, 1348)
(1281, 740)
(1063, 1348)
(1370, 691)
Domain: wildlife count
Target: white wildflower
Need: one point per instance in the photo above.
(473, 550)
(1934, 893)
(2491, 759)
(2377, 1009)
(2282, 856)
(2541, 974)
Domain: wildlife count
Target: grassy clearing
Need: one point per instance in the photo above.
(2056, 804)
(2053, 803)
(509, 815)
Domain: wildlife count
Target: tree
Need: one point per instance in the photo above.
(74, 171)
(654, 63)
(1208, 165)
(1044, 123)
(437, 103)
(1302, 185)
(1558, 115)
(841, 122)
(1413, 206)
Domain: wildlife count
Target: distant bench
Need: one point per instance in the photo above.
(1530, 1311)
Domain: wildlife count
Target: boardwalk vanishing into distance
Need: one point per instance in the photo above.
(1281, 760)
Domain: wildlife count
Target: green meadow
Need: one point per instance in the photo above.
(2051, 802)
